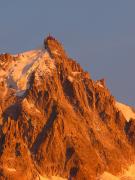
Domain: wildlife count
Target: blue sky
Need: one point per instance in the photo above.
(100, 35)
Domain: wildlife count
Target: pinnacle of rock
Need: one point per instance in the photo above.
(56, 121)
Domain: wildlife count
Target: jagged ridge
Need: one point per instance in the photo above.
(63, 124)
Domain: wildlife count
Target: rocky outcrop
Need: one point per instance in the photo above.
(130, 131)
(64, 125)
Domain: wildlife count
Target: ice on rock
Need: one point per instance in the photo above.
(126, 111)
(38, 61)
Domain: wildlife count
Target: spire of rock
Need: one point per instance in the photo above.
(56, 120)
(54, 47)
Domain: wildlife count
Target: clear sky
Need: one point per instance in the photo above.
(99, 34)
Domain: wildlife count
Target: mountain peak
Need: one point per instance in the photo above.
(55, 120)
(54, 47)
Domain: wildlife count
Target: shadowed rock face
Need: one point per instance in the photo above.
(64, 125)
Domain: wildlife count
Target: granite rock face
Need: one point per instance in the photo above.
(63, 123)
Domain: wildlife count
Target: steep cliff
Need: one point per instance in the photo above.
(57, 121)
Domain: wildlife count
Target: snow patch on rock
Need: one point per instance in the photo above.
(128, 174)
(30, 106)
(99, 84)
(38, 61)
(51, 178)
(126, 111)
(108, 176)
(70, 78)
(74, 73)
(11, 169)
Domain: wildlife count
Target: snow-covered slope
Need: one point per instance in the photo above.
(126, 111)
(51, 178)
(25, 64)
(65, 125)
(127, 174)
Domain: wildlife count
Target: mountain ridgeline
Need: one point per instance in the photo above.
(56, 122)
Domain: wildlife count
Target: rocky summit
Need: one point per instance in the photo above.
(57, 123)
